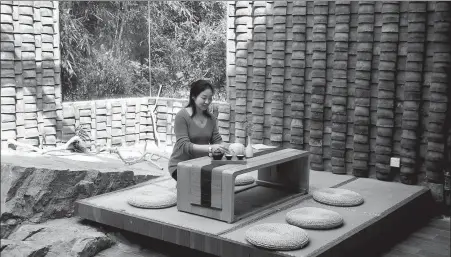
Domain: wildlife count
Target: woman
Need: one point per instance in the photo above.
(196, 130)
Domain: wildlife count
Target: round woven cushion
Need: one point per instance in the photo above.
(276, 236)
(314, 218)
(244, 179)
(337, 197)
(153, 199)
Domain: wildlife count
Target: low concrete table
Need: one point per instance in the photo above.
(212, 193)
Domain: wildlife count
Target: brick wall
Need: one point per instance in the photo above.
(355, 83)
(31, 102)
(120, 122)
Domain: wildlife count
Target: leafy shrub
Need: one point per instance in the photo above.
(105, 48)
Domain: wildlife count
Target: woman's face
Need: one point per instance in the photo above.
(203, 100)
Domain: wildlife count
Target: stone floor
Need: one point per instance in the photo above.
(430, 240)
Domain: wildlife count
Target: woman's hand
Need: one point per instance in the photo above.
(221, 147)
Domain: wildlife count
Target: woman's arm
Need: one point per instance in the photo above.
(181, 134)
(201, 148)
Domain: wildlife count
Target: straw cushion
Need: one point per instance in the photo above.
(277, 236)
(153, 199)
(337, 197)
(314, 218)
(244, 179)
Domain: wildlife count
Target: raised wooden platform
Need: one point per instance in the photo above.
(388, 206)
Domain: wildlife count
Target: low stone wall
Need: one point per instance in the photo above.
(128, 121)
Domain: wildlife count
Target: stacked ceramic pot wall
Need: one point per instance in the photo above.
(297, 74)
(30, 72)
(278, 71)
(439, 92)
(351, 82)
(340, 87)
(386, 89)
(363, 73)
(318, 76)
(242, 24)
(259, 70)
(413, 92)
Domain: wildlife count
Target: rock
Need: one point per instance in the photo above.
(60, 237)
(47, 187)
(20, 249)
(40, 194)
(8, 226)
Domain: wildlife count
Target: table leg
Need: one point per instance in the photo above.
(228, 197)
(183, 187)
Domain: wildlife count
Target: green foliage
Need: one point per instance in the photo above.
(105, 48)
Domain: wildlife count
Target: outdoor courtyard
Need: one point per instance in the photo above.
(334, 120)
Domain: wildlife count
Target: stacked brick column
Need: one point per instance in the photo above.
(297, 74)
(242, 20)
(162, 113)
(9, 86)
(319, 57)
(386, 89)
(109, 121)
(145, 123)
(173, 108)
(101, 134)
(137, 121)
(352, 61)
(339, 88)
(327, 113)
(413, 91)
(93, 123)
(268, 92)
(259, 70)
(116, 123)
(28, 49)
(439, 95)
(278, 72)
(287, 83)
(231, 65)
(130, 115)
(362, 89)
(68, 128)
(86, 119)
(51, 71)
(224, 122)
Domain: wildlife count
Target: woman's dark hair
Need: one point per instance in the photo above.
(198, 87)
